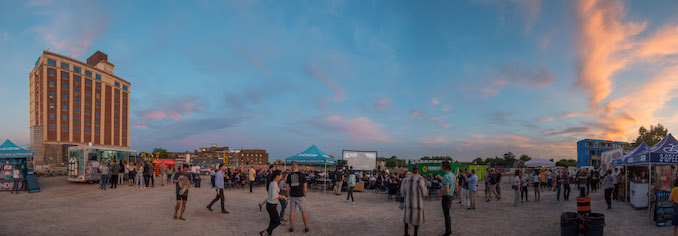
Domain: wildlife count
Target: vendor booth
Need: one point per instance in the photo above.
(650, 175)
(312, 156)
(11, 157)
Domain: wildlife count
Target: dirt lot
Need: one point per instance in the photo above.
(64, 208)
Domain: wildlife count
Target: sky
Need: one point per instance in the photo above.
(464, 79)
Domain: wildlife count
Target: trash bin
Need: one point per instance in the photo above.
(569, 224)
(593, 224)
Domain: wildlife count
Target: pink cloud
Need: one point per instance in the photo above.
(546, 119)
(175, 112)
(141, 126)
(360, 128)
(435, 101)
(432, 142)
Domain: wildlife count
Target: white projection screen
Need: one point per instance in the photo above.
(360, 160)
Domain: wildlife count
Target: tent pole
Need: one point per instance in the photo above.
(324, 182)
(649, 187)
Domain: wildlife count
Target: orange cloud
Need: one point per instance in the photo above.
(608, 44)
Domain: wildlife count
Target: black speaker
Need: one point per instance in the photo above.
(341, 162)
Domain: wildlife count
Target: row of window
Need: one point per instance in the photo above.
(76, 69)
(64, 128)
(77, 119)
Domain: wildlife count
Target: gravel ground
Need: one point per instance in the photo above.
(63, 208)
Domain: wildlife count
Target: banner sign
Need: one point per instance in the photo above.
(8, 185)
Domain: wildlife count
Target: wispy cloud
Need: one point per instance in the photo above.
(432, 142)
(65, 29)
(382, 104)
(360, 128)
(173, 110)
(322, 75)
(435, 101)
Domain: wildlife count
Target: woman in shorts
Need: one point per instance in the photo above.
(537, 184)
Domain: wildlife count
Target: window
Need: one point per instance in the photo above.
(124, 127)
(124, 119)
(98, 76)
(64, 117)
(64, 107)
(87, 131)
(116, 109)
(88, 92)
(124, 95)
(98, 85)
(76, 119)
(77, 89)
(65, 86)
(124, 103)
(51, 105)
(88, 82)
(88, 73)
(65, 96)
(51, 72)
(77, 99)
(51, 94)
(65, 66)
(124, 135)
(117, 84)
(64, 128)
(87, 102)
(98, 105)
(77, 129)
(98, 95)
(51, 126)
(51, 116)
(98, 113)
(77, 78)
(124, 87)
(87, 121)
(87, 111)
(64, 75)
(51, 84)
(117, 100)
(96, 122)
(77, 109)
(51, 62)
(116, 126)
(96, 131)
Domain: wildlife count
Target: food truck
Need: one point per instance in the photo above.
(84, 161)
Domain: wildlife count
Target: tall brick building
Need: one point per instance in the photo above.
(74, 103)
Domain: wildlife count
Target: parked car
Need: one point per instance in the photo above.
(205, 170)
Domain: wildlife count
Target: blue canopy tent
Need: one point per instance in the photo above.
(12, 155)
(640, 149)
(663, 153)
(312, 156)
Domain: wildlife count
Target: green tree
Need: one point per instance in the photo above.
(162, 153)
(566, 163)
(394, 162)
(525, 158)
(478, 161)
(509, 159)
(652, 136)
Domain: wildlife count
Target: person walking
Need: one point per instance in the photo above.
(140, 176)
(615, 192)
(516, 187)
(296, 183)
(274, 198)
(271, 169)
(608, 185)
(351, 185)
(132, 173)
(151, 174)
(497, 188)
(472, 190)
(16, 173)
(493, 185)
(537, 185)
(105, 171)
(582, 178)
(182, 179)
(115, 171)
(170, 171)
(559, 182)
(524, 185)
(146, 174)
(163, 172)
(285, 192)
(219, 187)
(566, 184)
(121, 172)
(673, 198)
(413, 188)
(542, 180)
(251, 174)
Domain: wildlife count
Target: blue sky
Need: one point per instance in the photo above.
(458, 78)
